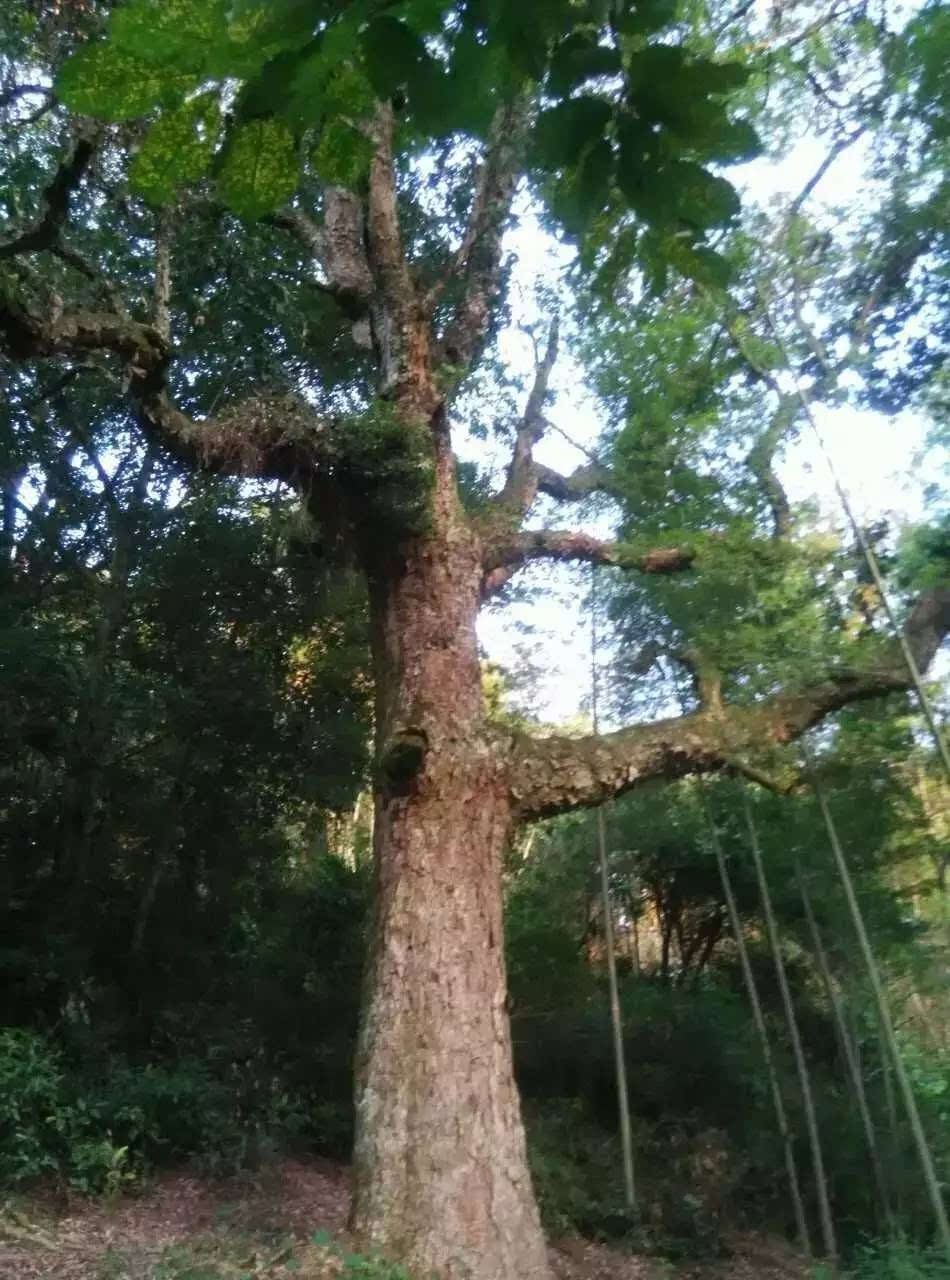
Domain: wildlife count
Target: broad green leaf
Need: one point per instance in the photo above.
(107, 82)
(260, 168)
(700, 263)
(170, 33)
(343, 154)
(580, 195)
(527, 28)
(731, 141)
(177, 149)
(477, 75)
(578, 58)
(703, 199)
(675, 193)
(563, 132)
(392, 52)
(680, 93)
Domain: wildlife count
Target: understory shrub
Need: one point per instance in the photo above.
(897, 1260)
(99, 1129)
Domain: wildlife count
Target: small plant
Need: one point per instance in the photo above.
(361, 1266)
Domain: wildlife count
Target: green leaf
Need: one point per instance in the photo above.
(177, 149)
(111, 84)
(644, 18)
(169, 33)
(343, 154)
(260, 168)
(274, 86)
(392, 53)
(563, 132)
(700, 263)
(670, 89)
(703, 199)
(580, 196)
(732, 141)
(579, 58)
(674, 193)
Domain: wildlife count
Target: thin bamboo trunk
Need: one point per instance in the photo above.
(781, 1117)
(847, 1049)
(890, 1102)
(635, 937)
(626, 1135)
(616, 1021)
(811, 1120)
(887, 1025)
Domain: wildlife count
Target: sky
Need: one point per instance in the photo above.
(880, 461)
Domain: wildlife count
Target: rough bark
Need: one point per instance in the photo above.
(441, 1179)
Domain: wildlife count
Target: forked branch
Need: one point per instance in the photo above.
(478, 261)
(521, 484)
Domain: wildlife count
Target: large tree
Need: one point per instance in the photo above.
(276, 232)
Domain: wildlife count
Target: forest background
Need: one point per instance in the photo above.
(186, 684)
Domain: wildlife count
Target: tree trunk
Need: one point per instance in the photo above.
(441, 1174)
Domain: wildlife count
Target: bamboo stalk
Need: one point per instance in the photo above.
(814, 1139)
(781, 1116)
(616, 1021)
(887, 1024)
(851, 1061)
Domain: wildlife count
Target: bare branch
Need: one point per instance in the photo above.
(838, 148)
(507, 553)
(553, 775)
(479, 256)
(521, 484)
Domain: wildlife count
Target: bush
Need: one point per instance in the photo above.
(576, 1169)
(32, 1117)
(897, 1260)
(44, 1128)
(98, 1131)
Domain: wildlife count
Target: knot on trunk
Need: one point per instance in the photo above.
(401, 760)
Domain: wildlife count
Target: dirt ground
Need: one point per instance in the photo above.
(288, 1221)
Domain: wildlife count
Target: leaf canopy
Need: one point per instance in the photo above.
(622, 123)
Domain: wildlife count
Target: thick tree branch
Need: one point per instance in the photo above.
(57, 197)
(504, 555)
(553, 775)
(387, 259)
(581, 483)
(275, 436)
(338, 246)
(479, 257)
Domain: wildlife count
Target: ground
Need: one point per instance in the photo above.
(287, 1222)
